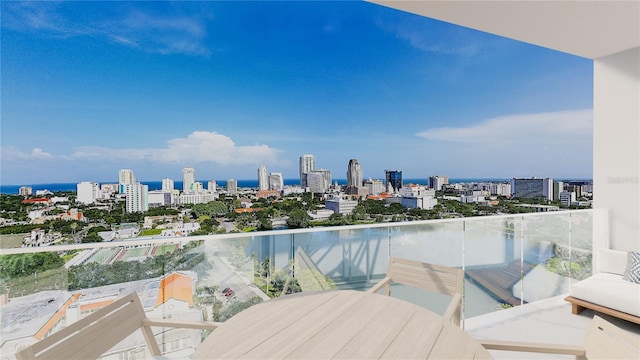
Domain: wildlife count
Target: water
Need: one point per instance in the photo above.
(157, 185)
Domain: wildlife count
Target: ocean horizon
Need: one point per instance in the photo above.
(157, 185)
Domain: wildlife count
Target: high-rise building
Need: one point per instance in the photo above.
(137, 198)
(87, 192)
(263, 178)
(532, 188)
(232, 186)
(197, 187)
(167, 184)
(212, 186)
(375, 186)
(25, 191)
(502, 189)
(436, 182)
(125, 176)
(558, 187)
(317, 181)
(354, 173)
(307, 164)
(393, 179)
(188, 178)
(276, 181)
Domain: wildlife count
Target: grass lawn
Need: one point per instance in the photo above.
(150, 232)
(12, 240)
(56, 279)
(163, 249)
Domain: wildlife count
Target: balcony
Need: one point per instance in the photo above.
(517, 270)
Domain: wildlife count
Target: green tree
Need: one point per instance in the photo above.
(26, 264)
(337, 220)
(235, 308)
(212, 209)
(359, 213)
(264, 224)
(298, 219)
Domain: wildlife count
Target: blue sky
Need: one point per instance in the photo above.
(89, 88)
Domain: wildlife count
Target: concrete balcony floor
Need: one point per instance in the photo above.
(545, 321)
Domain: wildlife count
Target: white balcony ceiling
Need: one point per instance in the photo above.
(586, 28)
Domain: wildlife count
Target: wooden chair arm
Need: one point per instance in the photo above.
(533, 347)
(203, 325)
(379, 285)
(453, 310)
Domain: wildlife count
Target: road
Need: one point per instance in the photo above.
(223, 275)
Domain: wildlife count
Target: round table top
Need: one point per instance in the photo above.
(338, 324)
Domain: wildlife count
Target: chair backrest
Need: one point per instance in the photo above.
(607, 341)
(437, 278)
(93, 335)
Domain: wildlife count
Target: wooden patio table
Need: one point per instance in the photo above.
(342, 324)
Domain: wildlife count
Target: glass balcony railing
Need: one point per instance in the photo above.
(508, 261)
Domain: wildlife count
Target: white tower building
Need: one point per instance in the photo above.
(212, 186)
(125, 176)
(188, 178)
(137, 197)
(354, 173)
(232, 186)
(307, 165)
(87, 192)
(276, 182)
(436, 182)
(263, 178)
(167, 184)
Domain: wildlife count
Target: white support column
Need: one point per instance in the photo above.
(616, 146)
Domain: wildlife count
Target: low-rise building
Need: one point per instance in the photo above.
(181, 229)
(200, 197)
(567, 197)
(418, 196)
(339, 205)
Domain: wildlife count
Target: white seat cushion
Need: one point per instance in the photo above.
(609, 290)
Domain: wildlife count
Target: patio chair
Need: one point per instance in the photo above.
(93, 335)
(602, 341)
(437, 278)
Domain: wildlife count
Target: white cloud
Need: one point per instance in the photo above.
(166, 33)
(422, 36)
(37, 153)
(11, 153)
(160, 34)
(548, 127)
(198, 147)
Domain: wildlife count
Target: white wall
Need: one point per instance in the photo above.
(616, 149)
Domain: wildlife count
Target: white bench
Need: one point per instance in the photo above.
(605, 291)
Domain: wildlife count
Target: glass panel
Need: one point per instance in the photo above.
(493, 261)
(345, 257)
(434, 242)
(581, 245)
(214, 277)
(547, 241)
(431, 242)
(62, 284)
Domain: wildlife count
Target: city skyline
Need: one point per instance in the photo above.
(225, 87)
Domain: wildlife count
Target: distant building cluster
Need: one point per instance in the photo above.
(138, 197)
(391, 189)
